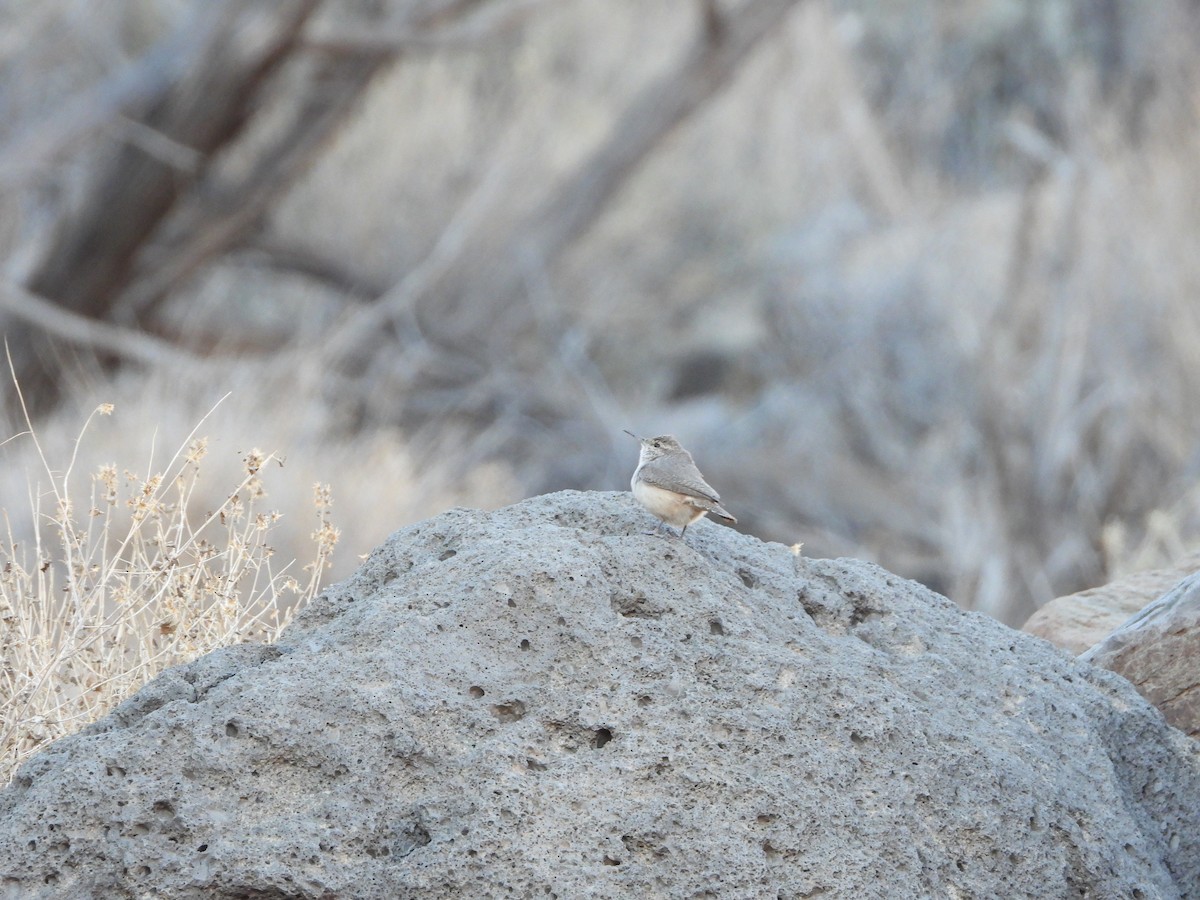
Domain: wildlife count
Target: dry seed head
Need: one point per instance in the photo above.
(107, 476)
(197, 450)
(254, 461)
(326, 537)
(264, 521)
(322, 496)
(144, 503)
(105, 409)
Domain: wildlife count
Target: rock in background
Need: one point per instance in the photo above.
(1077, 622)
(1158, 651)
(543, 701)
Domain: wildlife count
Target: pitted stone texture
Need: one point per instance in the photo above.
(544, 702)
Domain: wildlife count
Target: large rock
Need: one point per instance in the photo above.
(545, 702)
(1158, 650)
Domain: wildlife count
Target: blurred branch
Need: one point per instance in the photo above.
(272, 253)
(62, 323)
(492, 20)
(652, 116)
(156, 144)
(128, 92)
(468, 303)
(455, 239)
(218, 214)
(197, 91)
(221, 212)
(575, 205)
(203, 109)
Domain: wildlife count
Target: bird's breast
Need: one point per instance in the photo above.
(674, 509)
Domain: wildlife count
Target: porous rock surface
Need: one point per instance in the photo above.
(545, 702)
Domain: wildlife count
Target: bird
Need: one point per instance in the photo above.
(667, 482)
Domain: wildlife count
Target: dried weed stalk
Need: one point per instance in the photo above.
(113, 593)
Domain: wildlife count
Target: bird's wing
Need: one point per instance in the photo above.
(689, 482)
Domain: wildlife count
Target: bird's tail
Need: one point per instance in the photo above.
(719, 511)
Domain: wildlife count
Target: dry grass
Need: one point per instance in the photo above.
(129, 575)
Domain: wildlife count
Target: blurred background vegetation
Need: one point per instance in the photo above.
(915, 280)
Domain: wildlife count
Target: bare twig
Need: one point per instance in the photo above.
(271, 252)
(575, 205)
(62, 323)
(218, 215)
(485, 25)
(222, 213)
(198, 91)
(653, 115)
(125, 93)
(446, 253)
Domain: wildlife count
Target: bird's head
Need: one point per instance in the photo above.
(653, 448)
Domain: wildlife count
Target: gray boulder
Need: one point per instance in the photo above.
(544, 702)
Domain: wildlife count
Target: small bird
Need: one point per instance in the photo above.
(667, 482)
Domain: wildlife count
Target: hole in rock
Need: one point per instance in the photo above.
(446, 554)
(231, 730)
(534, 766)
(202, 848)
(644, 700)
(635, 607)
(856, 738)
(636, 641)
(512, 711)
(601, 737)
(476, 691)
(524, 645)
(715, 627)
(114, 770)
(769, 851)
(609, 861)
(512, 602)
(749, 579)
(163, 809)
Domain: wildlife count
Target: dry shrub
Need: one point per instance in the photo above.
(128, 577)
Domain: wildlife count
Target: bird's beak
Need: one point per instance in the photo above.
(632, 435)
